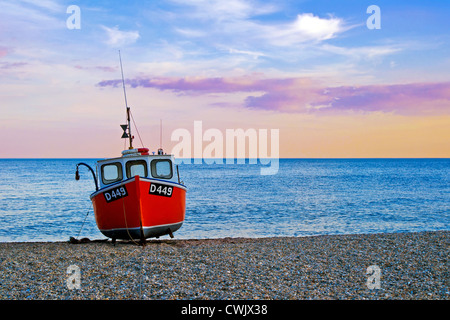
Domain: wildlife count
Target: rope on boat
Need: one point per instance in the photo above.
(135, 126)
(76, 240)
(82, 224)
(126, 225)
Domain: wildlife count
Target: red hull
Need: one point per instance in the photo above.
(135, 209)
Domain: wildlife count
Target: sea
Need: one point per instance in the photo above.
(40, 200)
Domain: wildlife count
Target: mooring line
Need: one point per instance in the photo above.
(82, 225)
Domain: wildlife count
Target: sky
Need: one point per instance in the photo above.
(317, 71)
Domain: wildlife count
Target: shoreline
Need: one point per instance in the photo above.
(166, 238)
(402, 266)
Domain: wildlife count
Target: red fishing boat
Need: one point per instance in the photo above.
(138, 195)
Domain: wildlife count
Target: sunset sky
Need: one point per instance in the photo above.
(312, 69)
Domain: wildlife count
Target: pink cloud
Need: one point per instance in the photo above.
(3, 51)
(305, 95)
(204, 85)
(400, 98)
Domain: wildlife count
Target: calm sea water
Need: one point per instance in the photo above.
(41, 201)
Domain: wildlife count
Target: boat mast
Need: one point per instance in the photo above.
(125, 135)
(160, 150)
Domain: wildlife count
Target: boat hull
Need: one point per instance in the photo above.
(139, 208)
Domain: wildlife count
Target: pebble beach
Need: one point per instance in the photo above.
(402, 266)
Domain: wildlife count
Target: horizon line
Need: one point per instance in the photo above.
(280, 158)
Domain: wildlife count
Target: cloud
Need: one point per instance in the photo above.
(226, 23)
(3, 51)
(366, 52)
(399, 98)
(12, 65)
(101, 68)
(406, 99)
(253, 54)
(117, 38)
(220, 10)
(191, 33)
(46, 5)
(307, 95)
(317, 28)
(31, 15)
(306, 28)
(194, 85)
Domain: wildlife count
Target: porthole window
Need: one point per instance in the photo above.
(162, 169)
(136, 168)
(111, 172)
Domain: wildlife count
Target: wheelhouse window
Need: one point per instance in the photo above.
(137, 168)
(162, 169)
(111, 172)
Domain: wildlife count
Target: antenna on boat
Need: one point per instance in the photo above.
(160, 150)
(126, 126)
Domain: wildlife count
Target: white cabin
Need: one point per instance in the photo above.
(131, 164)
